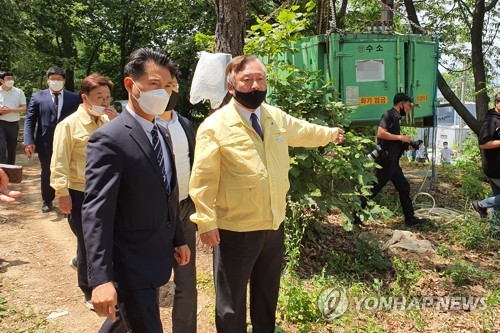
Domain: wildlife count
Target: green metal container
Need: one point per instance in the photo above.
(367, 70)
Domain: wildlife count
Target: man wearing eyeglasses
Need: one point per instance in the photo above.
(67, 166)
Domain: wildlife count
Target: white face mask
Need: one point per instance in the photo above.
(153, 102)
(56, 85)
(97, 110)
(9, 83)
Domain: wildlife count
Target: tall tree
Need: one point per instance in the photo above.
(230, 27)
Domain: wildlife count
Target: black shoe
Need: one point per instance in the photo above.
(415, 221)
(483, 212)
(46, 207)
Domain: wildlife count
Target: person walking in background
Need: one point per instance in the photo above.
(184, 310)
(390, 139)
(421, 154)
(446, 154)
(238, 184)
(489, 143)
(12, 103)
(45, 110)
(131, 227)
(67, 166)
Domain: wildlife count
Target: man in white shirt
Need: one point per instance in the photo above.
(446, 154)
(12, 102)
(184, 310)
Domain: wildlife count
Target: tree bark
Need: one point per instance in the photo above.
(68, 51)
(477, 58)
(230, 28)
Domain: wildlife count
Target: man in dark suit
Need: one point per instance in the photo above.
(130, 214)
(45, 110)
(184, 310)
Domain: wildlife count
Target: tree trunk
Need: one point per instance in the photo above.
(230, 28)
(477, 58)
(68, 51)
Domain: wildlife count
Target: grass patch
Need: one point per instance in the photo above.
(18, 321)
(463, 273)
(472, 233)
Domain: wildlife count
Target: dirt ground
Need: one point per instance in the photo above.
(35, 277)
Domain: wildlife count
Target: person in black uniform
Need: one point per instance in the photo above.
(489, 143)
(389, 138)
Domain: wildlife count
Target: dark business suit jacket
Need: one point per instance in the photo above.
(41, 111)
(130, 224)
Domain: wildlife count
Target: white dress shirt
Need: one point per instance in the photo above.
(59, 101)
(181, 152)
(147, 126)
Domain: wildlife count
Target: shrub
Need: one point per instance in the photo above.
(407, 274)
(473, 188)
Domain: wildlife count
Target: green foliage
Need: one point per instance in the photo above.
(295, 227)
(469, 167)
(473, 188)
(493, 298)
(369, 253)
(463, 273)
(297, 303)
(367, 260)
(444, 250)
(471, 233)
(470, 148)
(20, 321)
(407, 274)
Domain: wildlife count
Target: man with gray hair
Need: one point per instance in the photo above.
(239, 182)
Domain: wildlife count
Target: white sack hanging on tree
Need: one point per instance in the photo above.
(209, 79)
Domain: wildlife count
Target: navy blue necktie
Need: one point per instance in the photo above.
(56, 103)
(256, 126)
(159, 156)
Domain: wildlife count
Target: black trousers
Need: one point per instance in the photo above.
(48, 193)
(139, 312)
(75, 223)
(184, 310)
(242, 256)
(393, 172)
(8, 141)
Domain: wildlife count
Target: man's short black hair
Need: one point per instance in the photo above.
(136, 63)
(401, 97)
(4, 74)
(445, 143)
(56, 71)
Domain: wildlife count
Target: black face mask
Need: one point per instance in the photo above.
(402, 111)
(172, 102)
(251, 100)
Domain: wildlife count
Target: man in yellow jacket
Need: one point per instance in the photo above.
(238, 184)
(67, 167)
